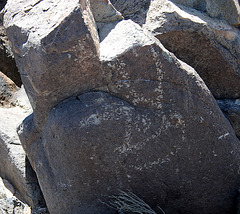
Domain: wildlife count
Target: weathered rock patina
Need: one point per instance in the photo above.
(122, 112)
(163, 138)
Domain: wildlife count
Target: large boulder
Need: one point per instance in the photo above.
(55, 44)
(156, 131)
(209, 45)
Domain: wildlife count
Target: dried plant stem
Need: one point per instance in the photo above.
(130, 203)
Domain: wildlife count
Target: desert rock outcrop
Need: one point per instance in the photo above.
(114, 109)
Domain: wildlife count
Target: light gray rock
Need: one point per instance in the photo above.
(13, 163)
(209, 45)
(104, 11)
(55, 44)
(13, 206)
(9, 204)
(163, 138)
(228, 10)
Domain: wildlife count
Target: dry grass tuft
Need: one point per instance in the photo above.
(127, 202)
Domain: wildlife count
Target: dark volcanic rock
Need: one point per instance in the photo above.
(99, 144)
(156, 131)
(56, 50)
(198, 51)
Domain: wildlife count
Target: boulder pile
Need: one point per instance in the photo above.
(139, 96)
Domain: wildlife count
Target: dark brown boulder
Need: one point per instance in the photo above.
(56, 50)
(156, 131)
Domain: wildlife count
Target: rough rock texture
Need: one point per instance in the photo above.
(50, 38)
(7, 62)
(209, 45)
(13, 165)
(222, 9)
(7, 90)
(8, 203)
(13, 206)
(40, 210)
(124, 113)
(163, 138)
(231, 109)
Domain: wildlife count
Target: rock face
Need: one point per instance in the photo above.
(123, 112)
(146, 132)
(209, 45)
